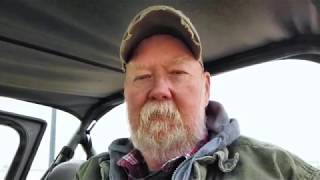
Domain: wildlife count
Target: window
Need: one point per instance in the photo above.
(66, 125)
(276, 102)
(7, 153)
(111, 126)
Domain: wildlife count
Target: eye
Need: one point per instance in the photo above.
(178, 72)
(142, 77)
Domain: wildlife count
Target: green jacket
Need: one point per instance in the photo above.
(256, 160)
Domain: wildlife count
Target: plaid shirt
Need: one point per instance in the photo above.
(135, 166)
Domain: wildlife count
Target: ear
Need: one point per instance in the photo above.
(207, 82)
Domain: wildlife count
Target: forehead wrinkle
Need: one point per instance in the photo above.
(137, 65)
(181, 60)
(175, 61)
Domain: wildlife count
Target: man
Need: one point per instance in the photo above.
(176, 132)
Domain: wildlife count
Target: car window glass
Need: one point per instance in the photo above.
(276, 102)
(41, 160)
(66, 125)
(8, 149)
(66, 120)
(111, 126)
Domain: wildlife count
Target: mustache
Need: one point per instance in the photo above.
(153, 110)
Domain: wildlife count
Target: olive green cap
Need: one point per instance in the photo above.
(159, 19)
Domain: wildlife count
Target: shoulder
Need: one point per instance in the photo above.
(91, 168)
(245, 142)
(98, 166)
(272, 159)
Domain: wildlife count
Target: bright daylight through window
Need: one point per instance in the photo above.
(66, 125)
(276, 102)
(7, 153)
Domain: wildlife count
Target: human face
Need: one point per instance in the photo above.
(162, 69)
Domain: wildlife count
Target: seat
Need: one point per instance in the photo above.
(65, 171)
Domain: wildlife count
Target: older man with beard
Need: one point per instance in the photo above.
(164, 122)
(176, 132)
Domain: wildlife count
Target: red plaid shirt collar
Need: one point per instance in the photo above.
(135, 166)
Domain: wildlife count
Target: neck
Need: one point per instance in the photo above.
(155, 159)
(153, 165)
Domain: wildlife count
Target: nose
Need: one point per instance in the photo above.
(160, 91)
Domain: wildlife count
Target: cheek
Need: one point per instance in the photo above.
(135, 100)
(189, 101)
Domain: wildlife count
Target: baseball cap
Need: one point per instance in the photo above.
(159, 19)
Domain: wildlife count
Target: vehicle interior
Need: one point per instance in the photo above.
(65, 55)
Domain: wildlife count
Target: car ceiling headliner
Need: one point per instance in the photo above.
(64, 54)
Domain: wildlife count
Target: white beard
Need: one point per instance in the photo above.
(162, 134)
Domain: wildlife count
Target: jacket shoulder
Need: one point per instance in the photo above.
(91, 169)
(272, 159)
